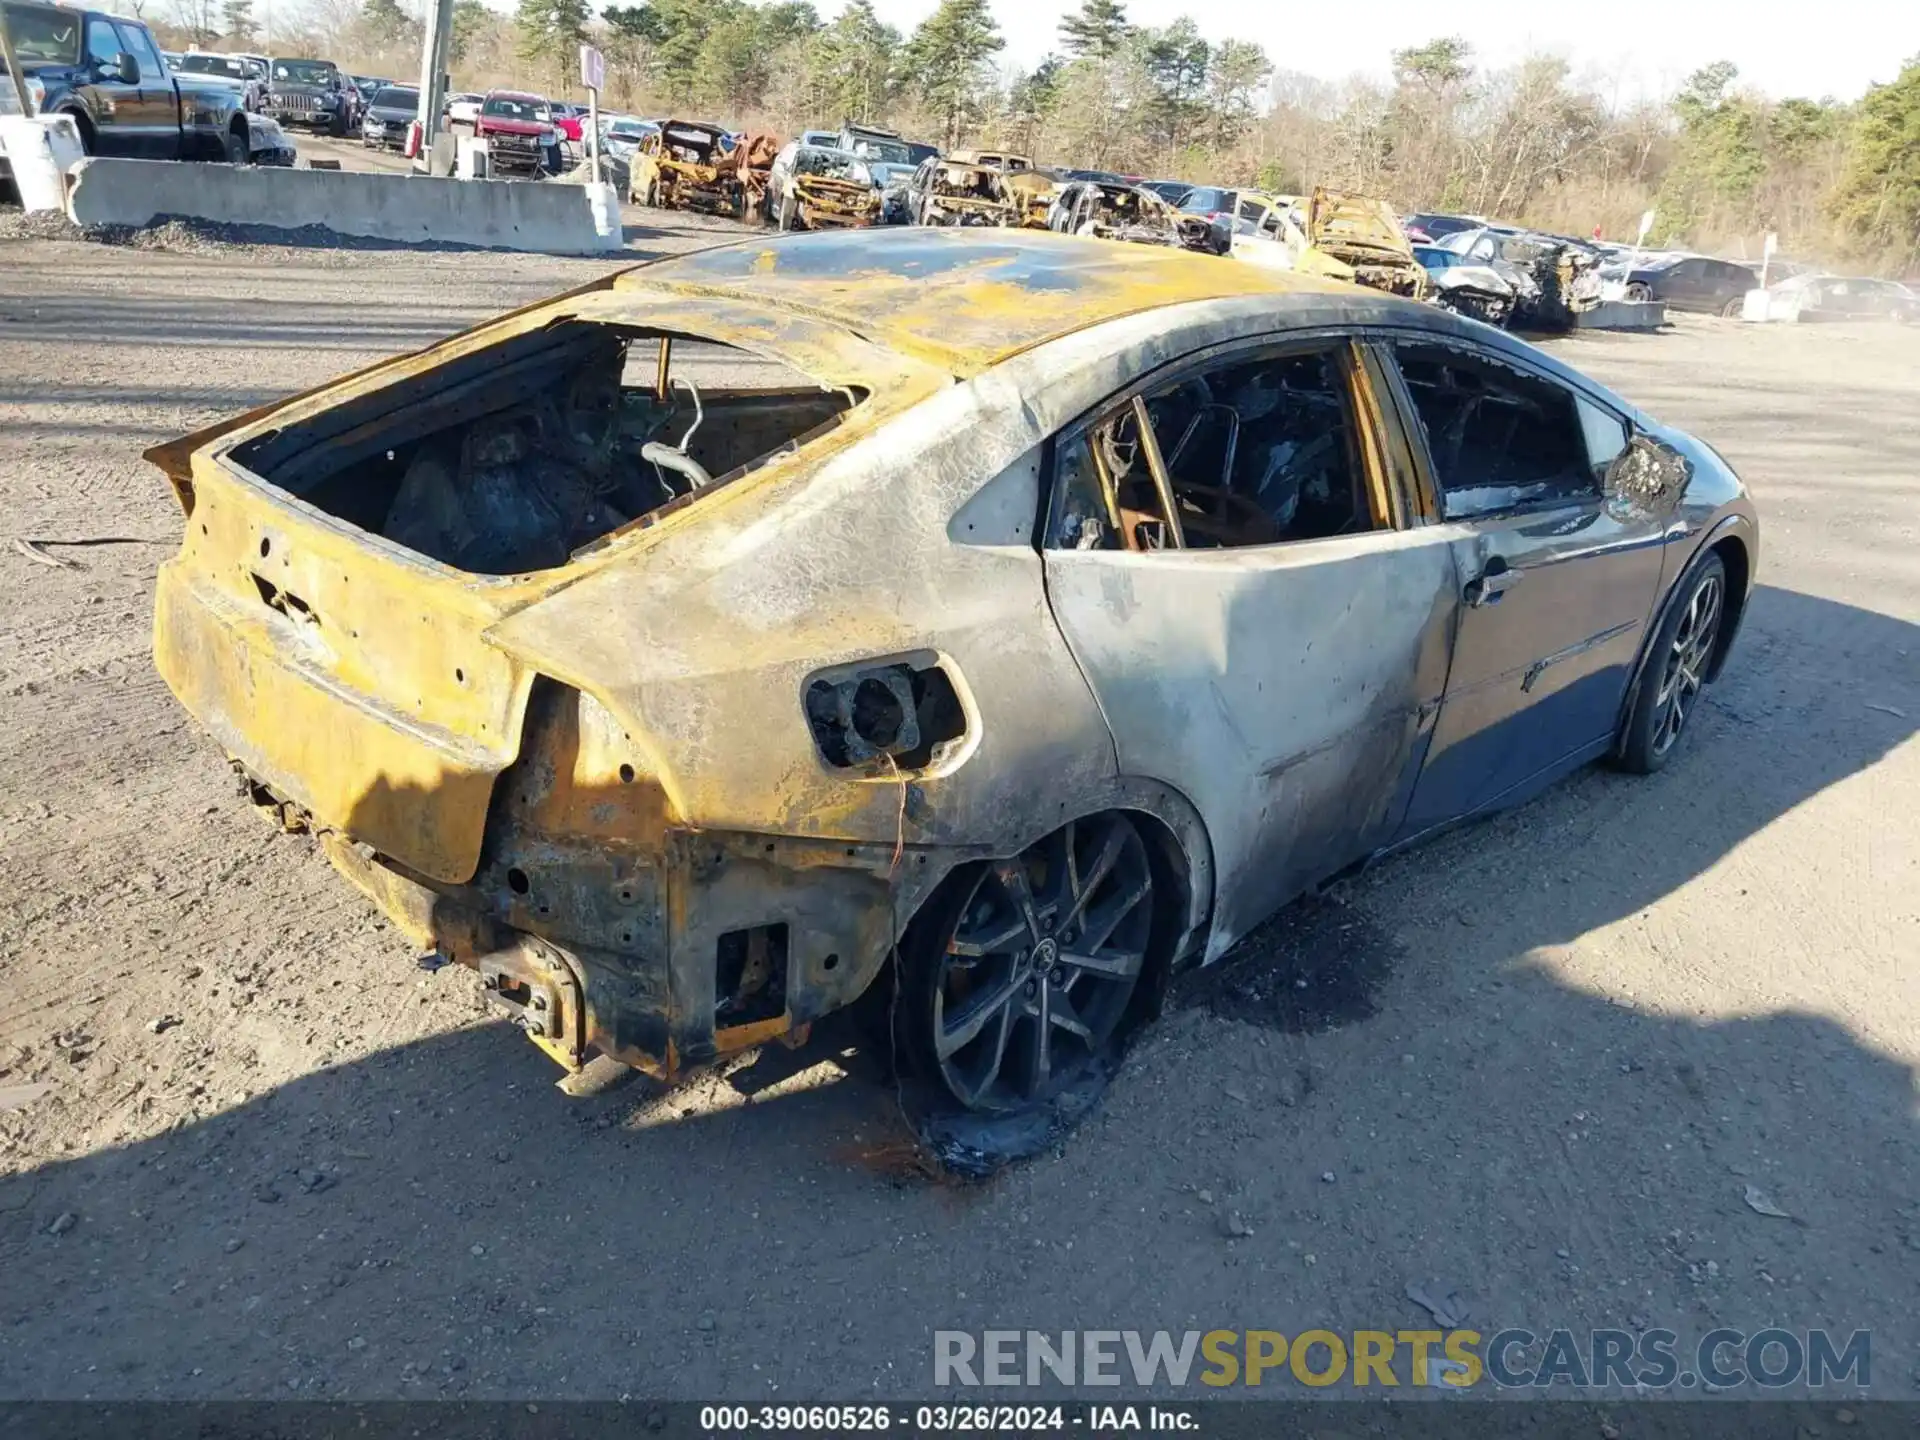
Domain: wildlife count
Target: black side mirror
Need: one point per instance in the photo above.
(123, 67)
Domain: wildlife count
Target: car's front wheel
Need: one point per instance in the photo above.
(1675, 676)
(1022, 975)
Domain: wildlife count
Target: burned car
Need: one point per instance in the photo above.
(750, 164)
(680, 168)
(1115, 210)
(1481, 291)
(1061, 612)
(1550, 277)
(946, 191)
(812, 187)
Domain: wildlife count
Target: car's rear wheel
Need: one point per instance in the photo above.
(1676, 670)
(1638, 291)
(1025, 971)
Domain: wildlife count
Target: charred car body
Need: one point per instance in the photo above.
(1115, 210)
(813, 188)
(1547, 278)
(950, 191)
(1074, 607)
(750, 164)
(680, 168)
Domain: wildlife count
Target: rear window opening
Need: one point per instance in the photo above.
(519, 457)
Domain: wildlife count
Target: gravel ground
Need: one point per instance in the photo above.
(1540, 1061)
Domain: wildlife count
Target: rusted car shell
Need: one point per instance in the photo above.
(966, 193)
(673, 796)
(827, 202)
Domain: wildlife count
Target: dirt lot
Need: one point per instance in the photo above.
(1540, 1061)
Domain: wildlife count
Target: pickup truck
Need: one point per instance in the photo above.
(106, 72)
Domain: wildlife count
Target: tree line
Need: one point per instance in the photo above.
(1719, 164)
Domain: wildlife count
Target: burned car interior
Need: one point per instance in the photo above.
(1499, 438)
(516, 457)
(1258, 451)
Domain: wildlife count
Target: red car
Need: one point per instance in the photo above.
(568, 119)
(522, 137)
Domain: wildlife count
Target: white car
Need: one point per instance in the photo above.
(464, 109)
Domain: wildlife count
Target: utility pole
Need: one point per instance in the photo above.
(433, 72)
(14, 77)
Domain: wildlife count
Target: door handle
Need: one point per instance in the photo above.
(1493, 582)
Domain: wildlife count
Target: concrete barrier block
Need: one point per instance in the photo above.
(414, 209)
(40, 149)
(1622, 315)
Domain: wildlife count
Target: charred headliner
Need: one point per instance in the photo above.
(961, 299)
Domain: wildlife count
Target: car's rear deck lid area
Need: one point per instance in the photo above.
(346, 554)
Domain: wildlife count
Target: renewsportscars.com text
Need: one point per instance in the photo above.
(1511, 1359)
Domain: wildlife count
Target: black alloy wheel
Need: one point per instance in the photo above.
(1029, 978)
(1676, 670)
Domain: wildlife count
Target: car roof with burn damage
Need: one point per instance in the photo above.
(965, 299)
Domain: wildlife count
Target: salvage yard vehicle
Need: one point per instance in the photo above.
(1810, 297)
(522, 143)
(1469, 287)
(1065, 610)
(1684, 282)
(391, 112)
(993, 159)
(813, 188)
(679, 169)
(748, 163)
(105, 71)
(890, 160)
(947, 191)
(464, 109)
(1342, 236)
(235, 71)
(1119, 211)
(313, 93)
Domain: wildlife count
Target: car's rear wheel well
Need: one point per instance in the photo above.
(1733, 554)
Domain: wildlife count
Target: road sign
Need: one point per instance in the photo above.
(593, 68)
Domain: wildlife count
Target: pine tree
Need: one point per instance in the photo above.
(1098, 31)
(948, 58)
(237, 23)
(383, 24)
(551, 31)
(1879, 194)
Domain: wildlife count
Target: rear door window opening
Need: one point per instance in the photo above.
(1254, 448)
(517, 457)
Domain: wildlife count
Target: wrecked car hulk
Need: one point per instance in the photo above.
(811, 187)
(680, 167)
(1119, 211)
(963, 193)
(716, 645)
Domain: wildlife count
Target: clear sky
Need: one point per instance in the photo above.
(1628, 47)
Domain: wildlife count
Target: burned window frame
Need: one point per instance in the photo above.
(1381, 345)
(1376, 453)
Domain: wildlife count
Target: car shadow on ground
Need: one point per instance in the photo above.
(437, 1219)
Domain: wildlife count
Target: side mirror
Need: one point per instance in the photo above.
(124, 68)
(1647, 478)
